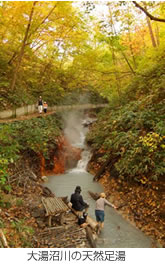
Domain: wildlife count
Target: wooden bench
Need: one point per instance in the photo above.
(54, 206)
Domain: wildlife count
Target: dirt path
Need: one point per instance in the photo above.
(27, 117)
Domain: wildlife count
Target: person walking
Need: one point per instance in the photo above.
(45, 106)
(99, 210)
(40, 105)
(77, 201)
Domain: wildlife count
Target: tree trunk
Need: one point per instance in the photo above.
(20, 56)
(108, 163)
(151, 32)
(157, 35)
(131, 49)
(118, 84)
(102, 169)
(127, 61)
(14, 56)
(113, 53)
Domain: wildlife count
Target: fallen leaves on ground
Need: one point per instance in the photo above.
(143, 206)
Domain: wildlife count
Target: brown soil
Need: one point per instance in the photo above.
(27, 117)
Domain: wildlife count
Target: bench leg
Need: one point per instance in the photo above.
(49, 220)
(61, 219)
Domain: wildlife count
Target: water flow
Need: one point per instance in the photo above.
(75, 132)
(117, 233)
(82, 163)
(85, 155)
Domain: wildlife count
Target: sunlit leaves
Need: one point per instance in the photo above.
(67, 49)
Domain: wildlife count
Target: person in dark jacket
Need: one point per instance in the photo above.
(77, 201)
(40, 105)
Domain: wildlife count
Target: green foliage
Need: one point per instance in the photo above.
(19, 202)
(9, 148)
(21, 227)
(38, 135)
(25, 232)
(136, 132)
(2, 225)
(52, 38)
(150, 80)
(5, 204)
(71, 53)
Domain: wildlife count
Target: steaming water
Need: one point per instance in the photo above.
(117, 233)
(82, 163)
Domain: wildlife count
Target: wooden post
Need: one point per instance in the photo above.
(3, 239)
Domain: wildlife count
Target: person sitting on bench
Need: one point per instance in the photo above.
(77, 201)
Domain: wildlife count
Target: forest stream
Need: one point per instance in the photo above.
(117, 232)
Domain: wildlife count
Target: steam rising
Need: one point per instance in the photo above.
(74, 129)
(75, 133)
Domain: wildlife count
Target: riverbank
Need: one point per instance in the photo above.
(24, 223)
(134, 204)
(23, 218)
(127, 143)
(34, 154)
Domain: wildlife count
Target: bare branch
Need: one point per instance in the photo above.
(43, 21)
(147, 13)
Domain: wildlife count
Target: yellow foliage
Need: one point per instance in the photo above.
(151, 140)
